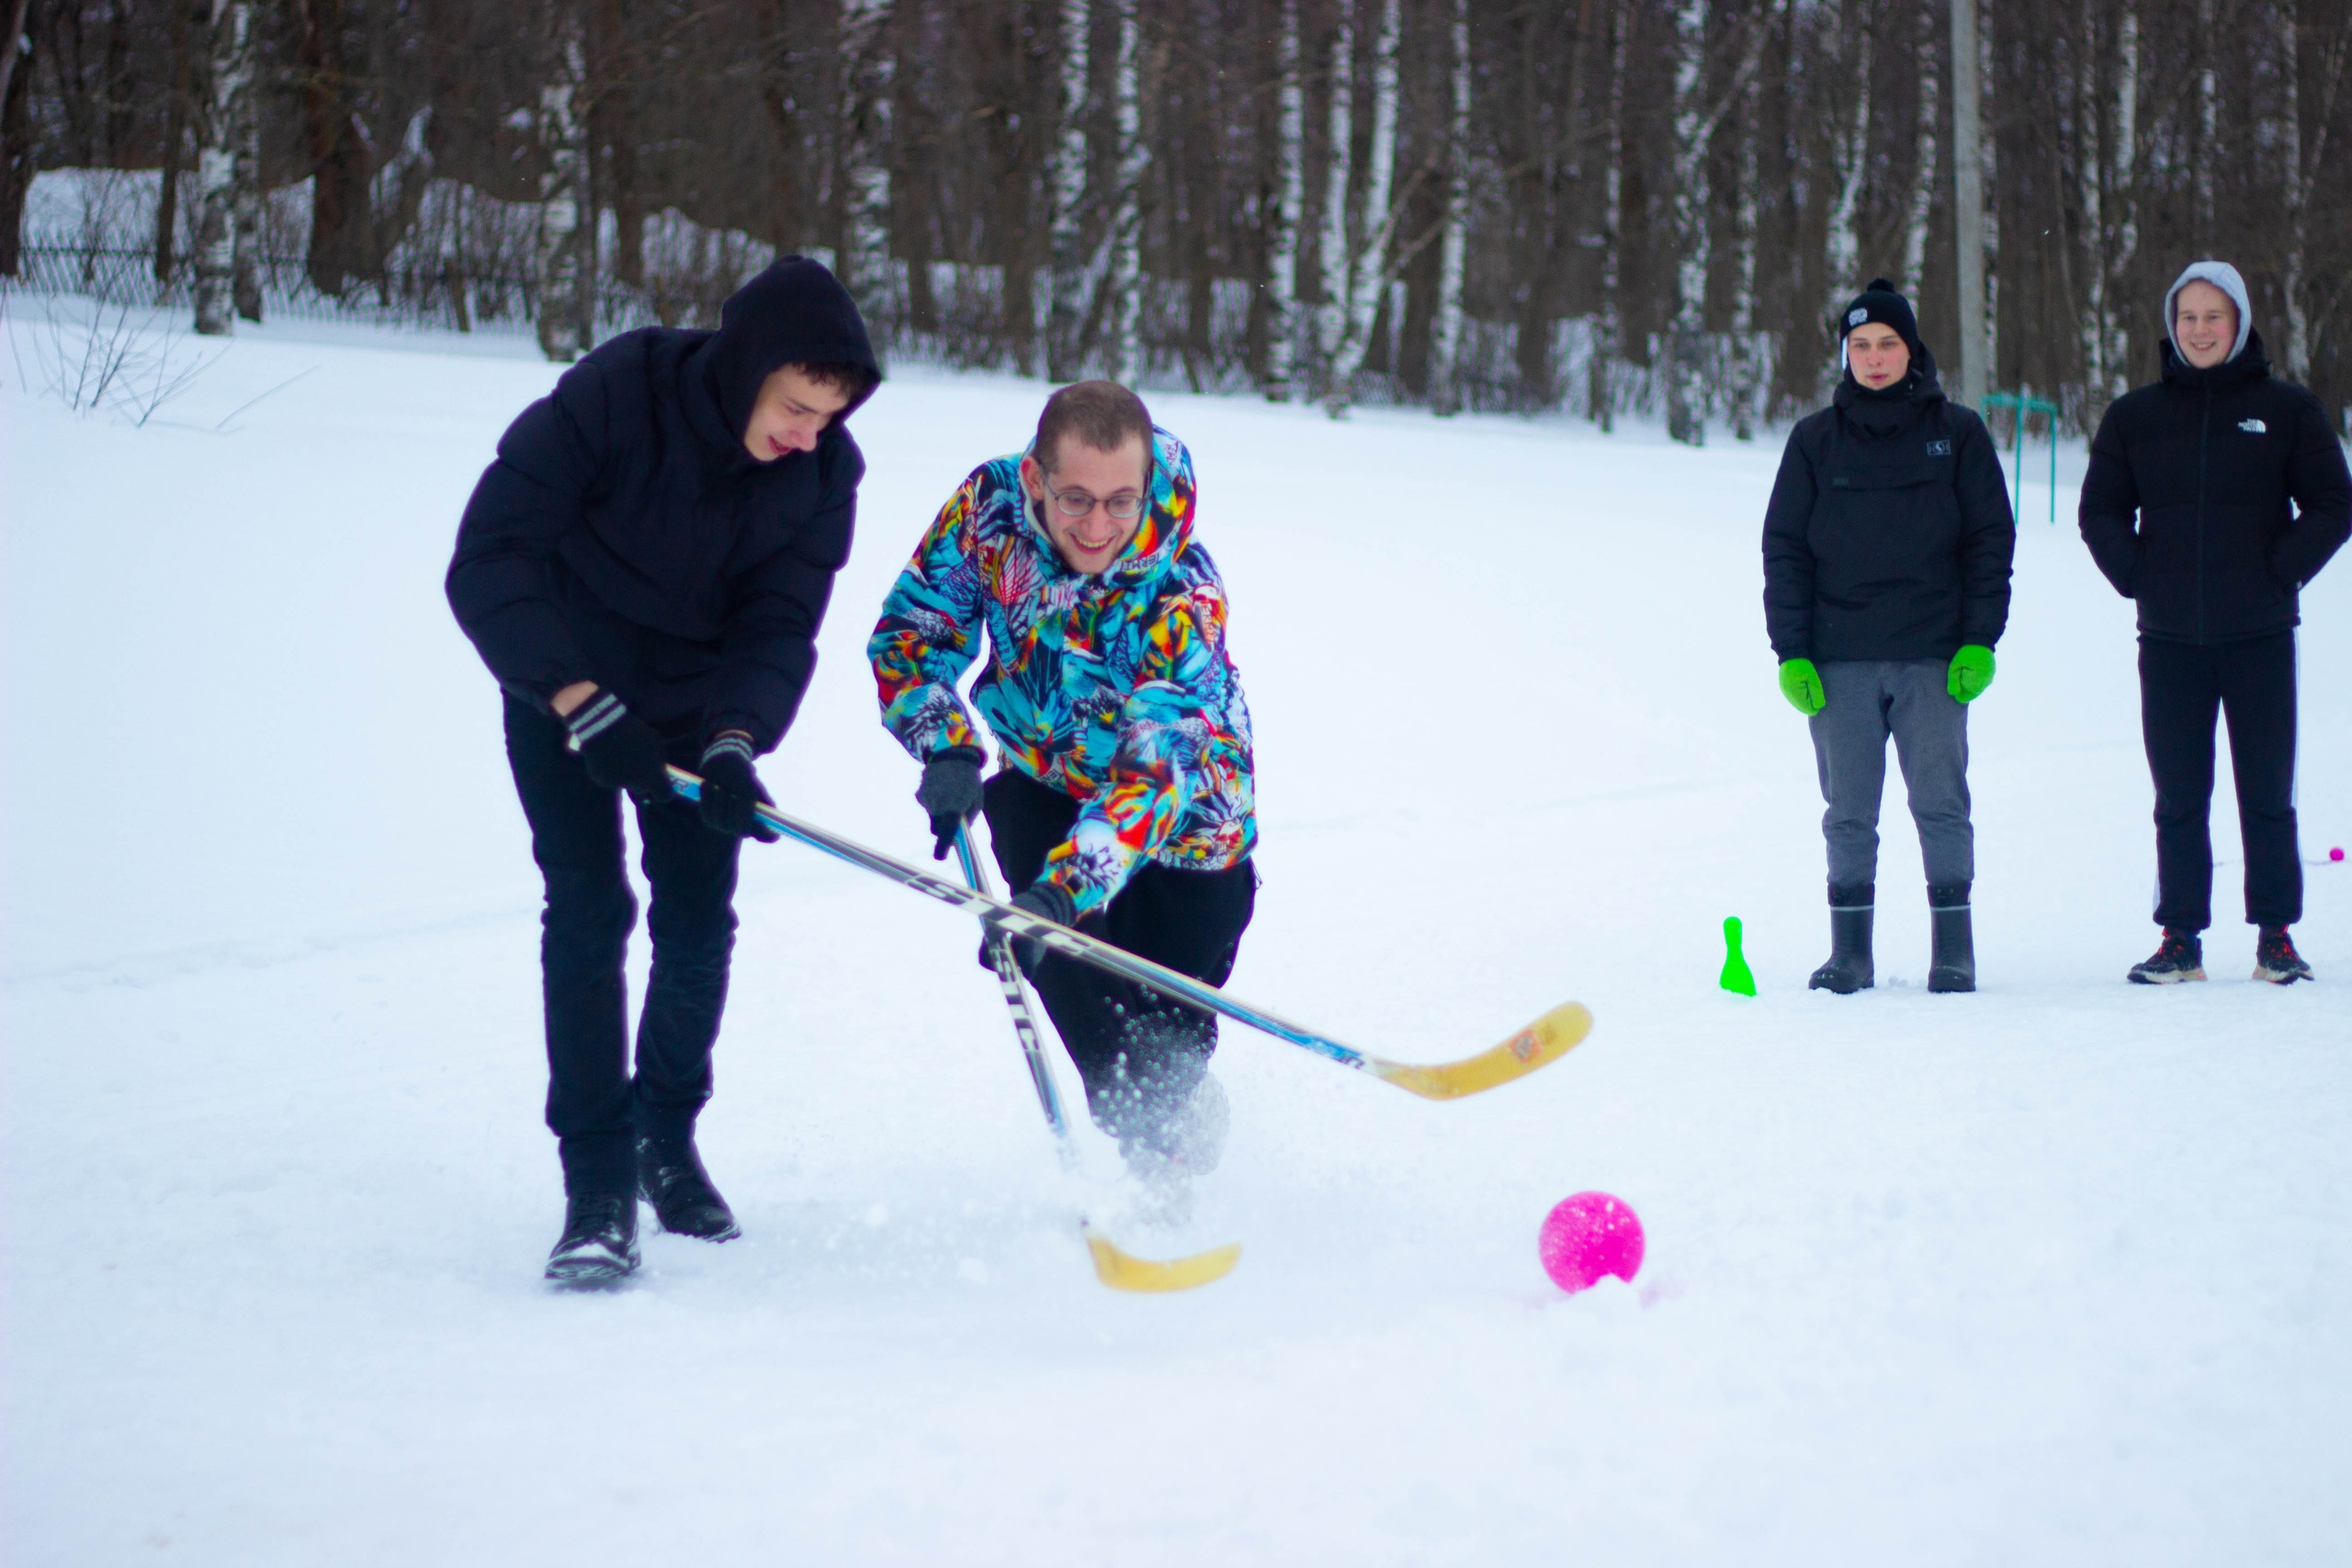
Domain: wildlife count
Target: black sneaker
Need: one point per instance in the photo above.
(2276, 959)
(670, 1174)
(2181, 956)
(599, 1244)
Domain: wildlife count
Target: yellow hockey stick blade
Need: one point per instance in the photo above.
(1125, 1271)
(1547, 1039)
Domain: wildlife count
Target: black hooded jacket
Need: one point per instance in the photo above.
(2208, 461)
(625, 536)
(1889, 535)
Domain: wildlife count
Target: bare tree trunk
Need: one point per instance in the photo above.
(1339, 173)
(1127, 220)
(1445, 379)
(167, 200)
(1929, 74)
(230, 79)
(1608, 329)
(564, 258)
(2208, 130)
(1061, 289)
(11, 44)
(245, 208)
(1747, 372)
(1849, 164)
(1685, 329)
(867, 69)
(1969, 218)
(1289, 204)
(2089, 160)
(18, 140)
(2123, 197)
(336, 146)
(2290, 155)
(1371, 279)
(1988, 168)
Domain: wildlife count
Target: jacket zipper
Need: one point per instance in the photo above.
(2204, 442)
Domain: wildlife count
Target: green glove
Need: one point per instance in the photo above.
(1971, 672)
(1801, 683)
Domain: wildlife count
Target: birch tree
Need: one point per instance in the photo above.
(1746, 377)
(1126, 222)
(1446, 347)
(2123, 200)
(867, 72)
(1850, 151)
(2294, 194)
(1371, 272)
(564, 258)
(1694, 131)
(1290, 203)
(1928, 72)
(245, 183)
(227, 90)
(1988, 169)
(2089, 180)
(2208, 127)
(1339, 173)
(1608, 325)
(1064, 278)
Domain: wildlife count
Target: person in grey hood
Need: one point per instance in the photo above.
(2213, 496)
(1887, 546)
(644, 569)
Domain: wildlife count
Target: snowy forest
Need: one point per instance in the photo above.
(1597, 206)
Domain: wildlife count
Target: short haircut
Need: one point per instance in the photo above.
(851, 380)
(1101, 414)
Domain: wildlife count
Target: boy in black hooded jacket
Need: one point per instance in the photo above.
(2212, 497)
(644, 569)
(1887, 547)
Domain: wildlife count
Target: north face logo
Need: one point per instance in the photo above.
(2253, 427)
(1939, 448)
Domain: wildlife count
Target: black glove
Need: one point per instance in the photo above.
(950, 791)
(621, 751)
(730, 789)
(1047, 901)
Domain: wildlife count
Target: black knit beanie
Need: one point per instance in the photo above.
(1880, 303)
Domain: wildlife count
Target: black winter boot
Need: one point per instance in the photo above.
(2181, 956)
(1952, 967)
(1850, 969)
(2276, 959)
(670, 1173)
(599, 1244)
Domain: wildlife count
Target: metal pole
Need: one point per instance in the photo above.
(1968, 181)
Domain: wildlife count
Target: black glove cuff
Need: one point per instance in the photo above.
(971, 754)
(733, 743)
(1049, 900)
(593, 718)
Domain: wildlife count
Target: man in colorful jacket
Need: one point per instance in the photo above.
(1123, 804)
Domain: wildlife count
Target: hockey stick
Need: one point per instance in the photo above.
(1119, 1269)
(1543, 1042)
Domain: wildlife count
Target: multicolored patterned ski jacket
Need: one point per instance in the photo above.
(1114, 689)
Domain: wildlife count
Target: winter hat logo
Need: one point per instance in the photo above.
(2253, 427)
(1858, 315)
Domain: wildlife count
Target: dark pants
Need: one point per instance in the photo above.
(594, 1108)
(1909, 700)
(2252, 683)
(1139, 1053)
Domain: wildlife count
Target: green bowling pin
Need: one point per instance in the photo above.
(1736, 975)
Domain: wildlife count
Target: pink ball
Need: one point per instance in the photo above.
(1588, 1235)
(2335, 854)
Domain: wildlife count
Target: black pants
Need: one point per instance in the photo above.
(594, 1108)
(2253, 685)
(1139, 1053)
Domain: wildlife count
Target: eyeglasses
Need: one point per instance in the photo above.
(1076, 505)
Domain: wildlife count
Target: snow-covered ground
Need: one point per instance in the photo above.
(2057, 1273)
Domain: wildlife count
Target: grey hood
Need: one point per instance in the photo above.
(2224, 276)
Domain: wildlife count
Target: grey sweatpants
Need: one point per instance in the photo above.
(1866, 702)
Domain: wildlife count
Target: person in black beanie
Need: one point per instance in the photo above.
(2212, 497)
(644, 569)
(1887, 549)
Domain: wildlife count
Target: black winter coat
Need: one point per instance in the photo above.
(623, 535)
(1889, 534)
(2210, 462)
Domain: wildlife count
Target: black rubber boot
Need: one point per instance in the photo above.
(599, 1244)
(1849, 970)
(1952, 966)
(670, 1174)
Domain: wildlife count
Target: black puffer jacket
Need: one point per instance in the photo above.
(1889, 534)
(2239, 491)
(626, 536)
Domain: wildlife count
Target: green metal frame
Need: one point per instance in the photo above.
(2025, 404)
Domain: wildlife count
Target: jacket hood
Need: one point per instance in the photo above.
(795, 312)
(1891, 408)
(2224, 276)
(1165, 527)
